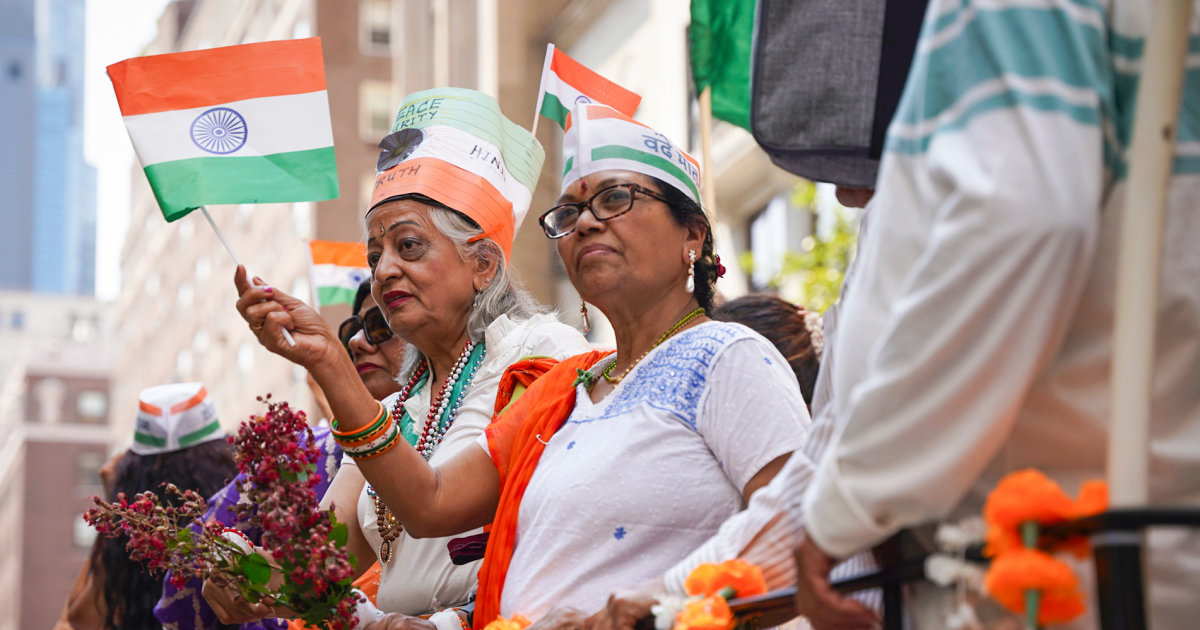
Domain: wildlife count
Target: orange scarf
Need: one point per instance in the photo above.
(516, 441)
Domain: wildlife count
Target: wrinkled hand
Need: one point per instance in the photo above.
(270, 311)
(825, 608)
(231, 608)
(396, 621)
(626, 607)
(560, 619)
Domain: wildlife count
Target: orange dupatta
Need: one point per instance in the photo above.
(516, 439)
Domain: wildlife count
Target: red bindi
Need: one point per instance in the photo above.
(582, 187)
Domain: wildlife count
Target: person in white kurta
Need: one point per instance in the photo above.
(632, 483)
(977, 337)
(420, 578)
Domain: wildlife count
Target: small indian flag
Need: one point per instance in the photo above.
(239, 124)
(566, 82)
(337, 270)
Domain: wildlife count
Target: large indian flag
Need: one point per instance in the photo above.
(240, 124)
(566, 82)
(337, 270)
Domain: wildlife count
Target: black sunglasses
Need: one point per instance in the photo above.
(607, 203)
(373, 324)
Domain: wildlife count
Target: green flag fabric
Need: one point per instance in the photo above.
(719, 41)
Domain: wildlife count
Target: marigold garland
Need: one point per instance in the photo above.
(1021, 576)
(744, 578)
(709, 613)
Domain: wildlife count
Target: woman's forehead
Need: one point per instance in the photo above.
(388, 216)
(589, 184)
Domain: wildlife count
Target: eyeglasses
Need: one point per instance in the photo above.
(607, 203)
(373, 324)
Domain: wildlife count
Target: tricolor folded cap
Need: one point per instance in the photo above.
(455, 146)
(173, 417)
(599, 138)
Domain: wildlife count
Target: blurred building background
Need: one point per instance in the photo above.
(174, 319)
(54, 400)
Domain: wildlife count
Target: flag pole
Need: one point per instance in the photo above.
(537, 107)
(1139, 261)
(204, 209)
(708, 190)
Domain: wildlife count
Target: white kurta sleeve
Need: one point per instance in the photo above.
(988, 207)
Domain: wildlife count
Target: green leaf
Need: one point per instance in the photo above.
(339, 534)
(255, 568)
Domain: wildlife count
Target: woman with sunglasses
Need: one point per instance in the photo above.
(454, 181)
(611, 467)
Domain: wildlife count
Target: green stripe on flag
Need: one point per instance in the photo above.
(570, 163)
(335, 295)
(146, 438)
(184, 185)
(625, 153)
(553, 109)
(199, 434)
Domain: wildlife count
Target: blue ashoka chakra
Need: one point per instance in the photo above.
(219, 130)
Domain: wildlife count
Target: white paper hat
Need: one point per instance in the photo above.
(173, 417)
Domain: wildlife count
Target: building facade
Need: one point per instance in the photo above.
(49, 214)
(55, 372)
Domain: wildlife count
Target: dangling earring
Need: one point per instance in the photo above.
(587, 323)
(691, 281)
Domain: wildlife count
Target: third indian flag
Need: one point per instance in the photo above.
(566, 82)
(240, 124)
(337, 270)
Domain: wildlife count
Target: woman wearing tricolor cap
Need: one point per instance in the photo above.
(612, 466)
(454, 181)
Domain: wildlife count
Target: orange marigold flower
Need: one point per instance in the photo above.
(1093, 498)
(1027, 495)
(1019, 570)
(518, 622)
(744, 578)
(710, 613)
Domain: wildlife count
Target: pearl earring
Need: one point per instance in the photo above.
(691, 281)
(587, 323)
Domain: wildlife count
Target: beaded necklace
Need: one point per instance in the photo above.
(442, 412)
(607, 373)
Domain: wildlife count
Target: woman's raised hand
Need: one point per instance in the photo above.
(270, 311)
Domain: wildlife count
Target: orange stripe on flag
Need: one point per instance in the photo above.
(592, 84)
(159, 83)
(338, 253)
(150, 409)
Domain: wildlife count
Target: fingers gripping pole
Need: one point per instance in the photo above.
(216, 230)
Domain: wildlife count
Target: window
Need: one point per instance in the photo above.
(375, 110)
(92, 404)
(87, 471)
(375, 26)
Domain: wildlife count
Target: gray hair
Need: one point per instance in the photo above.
(501, 296)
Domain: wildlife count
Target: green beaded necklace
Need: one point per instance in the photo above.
(607, 373)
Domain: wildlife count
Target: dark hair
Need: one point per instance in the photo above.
(131, 591)
(364, 289)
(688, 213)
(783, 324)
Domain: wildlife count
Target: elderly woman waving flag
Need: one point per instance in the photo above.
(454, 181)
